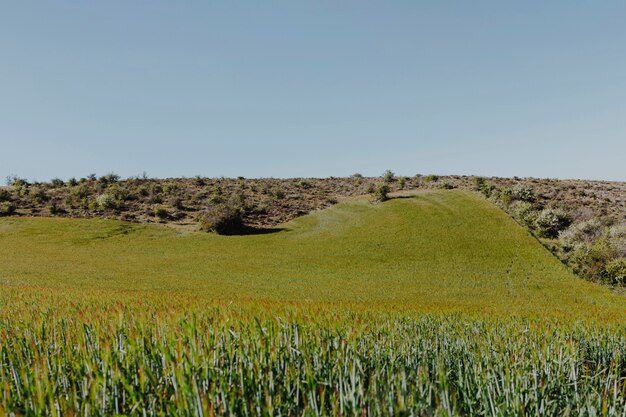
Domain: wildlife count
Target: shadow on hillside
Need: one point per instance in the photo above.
(249, 230)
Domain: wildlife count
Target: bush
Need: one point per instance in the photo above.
(5, 195)
(550, 222)
(582, 232)
(388, 176)
(616, 236)
(57, 182)
(615, 272)
(402, 182)
(522, 193)
(17, 182)
(176, 202)
(161, 212)
(54, 209)
(524, 213)
(381, 192)
(107, 201)
(109, 178)
(479, 183)
(223, 219)
(7, 208)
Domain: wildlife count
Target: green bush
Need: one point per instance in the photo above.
(108, 201)
(479, 183)
(522, 193)
(388, 176)
(5, 195)
(57, 182)
(381, 192)
(524, 213)
(161, 212)
(402, 182)
(54, 209)
(550, 222)
(615, 271)
(109, 178)
(7, 208)
(223, 219)
(582, 232)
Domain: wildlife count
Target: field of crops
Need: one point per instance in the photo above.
(433, 305)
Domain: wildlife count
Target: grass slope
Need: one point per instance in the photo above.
(436, 251)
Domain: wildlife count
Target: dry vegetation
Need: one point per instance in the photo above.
(269, 202)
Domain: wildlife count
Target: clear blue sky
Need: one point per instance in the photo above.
(313, 88)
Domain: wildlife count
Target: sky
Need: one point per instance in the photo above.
(313, 88)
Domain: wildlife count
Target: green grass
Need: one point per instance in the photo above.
(439, 251)
(434, 305)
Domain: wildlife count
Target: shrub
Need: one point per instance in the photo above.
(170, 188)
(522, 193)
(357, 175)
(109, 178)
(7, 208)
(402, 182)
(550, 222)
(17, 182)
(176, 202)
(388, 176)
(278, 193)
(524, 213)
(39, 196)
(161, 212)
(615, 271)
(616, 236)
(143, 191)
(107, 201)
(57, 182)
(431, 178)
(215, 197)
(304, 184)
(54, 209)
(479, 183)
(5, 195)
(72, 182)
(381, 192)
(223, 219)
(581, 232)
(505, 195)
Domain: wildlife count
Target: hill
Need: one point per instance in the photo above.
(433, 304)
(433, 251)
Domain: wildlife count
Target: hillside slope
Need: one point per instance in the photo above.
(435, 251)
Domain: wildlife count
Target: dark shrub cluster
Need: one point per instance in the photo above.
(223, 219)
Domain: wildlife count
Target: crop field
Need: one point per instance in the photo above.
(432, 304)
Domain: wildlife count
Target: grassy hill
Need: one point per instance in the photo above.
(436, 304)
(434, 251)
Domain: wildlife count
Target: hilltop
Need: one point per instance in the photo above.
(269, 201)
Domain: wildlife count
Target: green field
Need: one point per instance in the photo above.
(433, 304)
